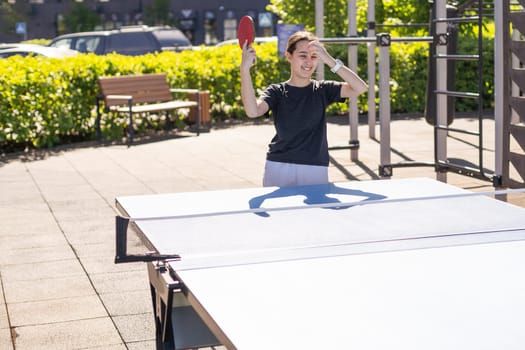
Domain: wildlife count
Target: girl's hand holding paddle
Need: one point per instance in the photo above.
(249, 57)
(246, 36)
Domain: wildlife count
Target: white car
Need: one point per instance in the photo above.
(8, 50)
(127, 40)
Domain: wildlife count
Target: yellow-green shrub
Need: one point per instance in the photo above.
(44, 102)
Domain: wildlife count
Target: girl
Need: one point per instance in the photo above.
(298, 153)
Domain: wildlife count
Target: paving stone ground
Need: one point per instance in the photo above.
(59, 287)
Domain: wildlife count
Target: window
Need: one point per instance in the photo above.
(210, 28)
(230, 29)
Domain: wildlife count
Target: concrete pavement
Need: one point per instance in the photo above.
(59, 287)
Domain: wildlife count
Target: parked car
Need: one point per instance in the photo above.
(8, 50)
(132, 41)
(5, 46)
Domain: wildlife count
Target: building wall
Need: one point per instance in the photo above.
(219, 18)
(204, 21)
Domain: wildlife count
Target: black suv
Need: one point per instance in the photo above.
(132, 41)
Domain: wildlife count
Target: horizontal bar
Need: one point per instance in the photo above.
(336, 148)
(457, 93)
(413, 39)
(360, 40)
(402, 25)
(457, 19)
(352, 144)
(411, 164)
(458, 57)
(467, 132)
(348, 40)
(465, 170)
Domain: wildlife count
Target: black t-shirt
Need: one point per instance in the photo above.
(300, 121)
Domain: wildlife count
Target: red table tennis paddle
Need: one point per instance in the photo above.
(246, 31)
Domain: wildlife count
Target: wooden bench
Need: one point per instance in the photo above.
(147, 93)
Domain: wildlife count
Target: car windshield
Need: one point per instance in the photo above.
(63, 43)
(131, 43)
(87, 44)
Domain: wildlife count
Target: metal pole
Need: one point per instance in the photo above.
(383, 42)
(498, 87)
(441, 85)
(503, 113)
(353, 112)
(515, 63)
(371, 60)
(319, 32)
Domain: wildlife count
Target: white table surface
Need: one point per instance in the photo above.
(454, 298)
(420, 274)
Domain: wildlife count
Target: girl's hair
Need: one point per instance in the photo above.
(296, 37)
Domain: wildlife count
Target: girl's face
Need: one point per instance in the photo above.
(303, 61)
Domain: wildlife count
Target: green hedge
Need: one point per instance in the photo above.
(45, 102)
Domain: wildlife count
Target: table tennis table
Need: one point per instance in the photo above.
(399, 264)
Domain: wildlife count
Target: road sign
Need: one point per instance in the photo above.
(284, 31)
(265, 20)
(20, 28)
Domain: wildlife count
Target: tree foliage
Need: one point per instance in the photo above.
(389, 12)
(336, 13)
(80, 19)
(158, 13)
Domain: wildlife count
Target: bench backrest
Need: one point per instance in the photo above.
(146, 88)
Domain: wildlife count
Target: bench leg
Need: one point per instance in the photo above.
(199, 109)
(97, 123)
(199, 116)
(167, 122)
(130, 123)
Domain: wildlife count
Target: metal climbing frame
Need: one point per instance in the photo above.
(441, 37)
(383, 42)
(441, 128)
